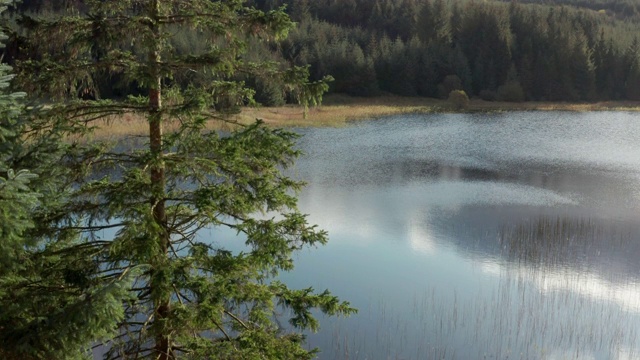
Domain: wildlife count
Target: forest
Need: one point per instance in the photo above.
(492, 50)
(570, 51)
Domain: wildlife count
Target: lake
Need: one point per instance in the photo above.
(476, 236)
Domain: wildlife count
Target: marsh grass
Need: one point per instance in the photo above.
(515, 322)
(496, 106)
(338, 109)
(135, 125)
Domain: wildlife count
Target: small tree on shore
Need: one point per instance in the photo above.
(190, 297)
(458, 99)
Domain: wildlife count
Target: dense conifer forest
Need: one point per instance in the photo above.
(492, 50)
(568, 50)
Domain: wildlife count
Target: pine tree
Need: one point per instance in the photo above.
(486, 39)
(16, 196)
(426, 30)
(46, 312)
(300, 10)
(405, 19)
(582, 69)
(455, 22)
(632, 87)
(433, 22)
(190, 297)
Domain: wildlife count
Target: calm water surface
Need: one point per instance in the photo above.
(494, 236)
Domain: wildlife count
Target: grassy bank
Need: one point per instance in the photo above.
(339, 109)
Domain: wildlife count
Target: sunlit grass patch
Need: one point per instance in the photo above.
(338, 109)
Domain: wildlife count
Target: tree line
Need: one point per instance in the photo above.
(490, 50)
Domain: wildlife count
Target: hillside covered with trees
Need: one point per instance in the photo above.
(491, 50)
(579, 51)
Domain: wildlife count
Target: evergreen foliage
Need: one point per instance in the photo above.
(559, 53)
(46, 311)
(116, 256)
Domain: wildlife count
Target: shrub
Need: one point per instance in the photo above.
(450, 83)
(459, 99)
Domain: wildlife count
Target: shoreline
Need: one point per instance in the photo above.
(338, 110)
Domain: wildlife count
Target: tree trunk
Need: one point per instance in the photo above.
(159, 214)
(157, 173)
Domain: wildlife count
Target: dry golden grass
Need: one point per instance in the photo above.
(116, 127)
(337, 110)
(480, 105)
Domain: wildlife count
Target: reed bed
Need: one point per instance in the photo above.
(518, 321)
(337, 110)
(539, 302)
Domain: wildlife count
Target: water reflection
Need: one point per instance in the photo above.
(477, 236)
(420, 237)
(514, 321)
(555, 242)
(549, 287)
(583, 256)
